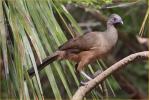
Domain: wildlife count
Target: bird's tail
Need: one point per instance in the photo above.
(44, 63)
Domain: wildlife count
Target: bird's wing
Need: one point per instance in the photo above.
(70, 44)
(84, 42)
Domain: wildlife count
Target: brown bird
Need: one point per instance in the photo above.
(86, 48)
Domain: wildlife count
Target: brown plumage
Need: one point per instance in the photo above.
(86, 48)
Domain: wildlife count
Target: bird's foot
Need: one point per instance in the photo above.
(83, 83)
(88, 78)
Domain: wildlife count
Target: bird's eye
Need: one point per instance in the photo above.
(114, 19)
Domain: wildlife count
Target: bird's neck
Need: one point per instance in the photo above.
(111, 33)
(111, 28)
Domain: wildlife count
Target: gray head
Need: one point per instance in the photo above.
(114, 19)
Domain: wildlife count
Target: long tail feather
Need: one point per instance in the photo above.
(44, 63)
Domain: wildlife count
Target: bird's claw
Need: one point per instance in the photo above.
(83, 83)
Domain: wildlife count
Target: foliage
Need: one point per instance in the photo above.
(91, 3)
(30, 31)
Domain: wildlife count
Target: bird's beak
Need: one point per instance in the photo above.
(121, 22)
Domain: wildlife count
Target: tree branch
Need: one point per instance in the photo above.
(83, 90)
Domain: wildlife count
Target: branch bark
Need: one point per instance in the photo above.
(83, 90)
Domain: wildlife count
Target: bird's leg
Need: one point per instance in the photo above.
(82, 64)
(85, 75)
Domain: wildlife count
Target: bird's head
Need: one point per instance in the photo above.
(114, 19)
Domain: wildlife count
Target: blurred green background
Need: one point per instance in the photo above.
(33, 29)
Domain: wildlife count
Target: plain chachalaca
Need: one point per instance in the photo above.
(86, 48)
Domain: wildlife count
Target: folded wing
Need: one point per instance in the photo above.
(83, 43)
